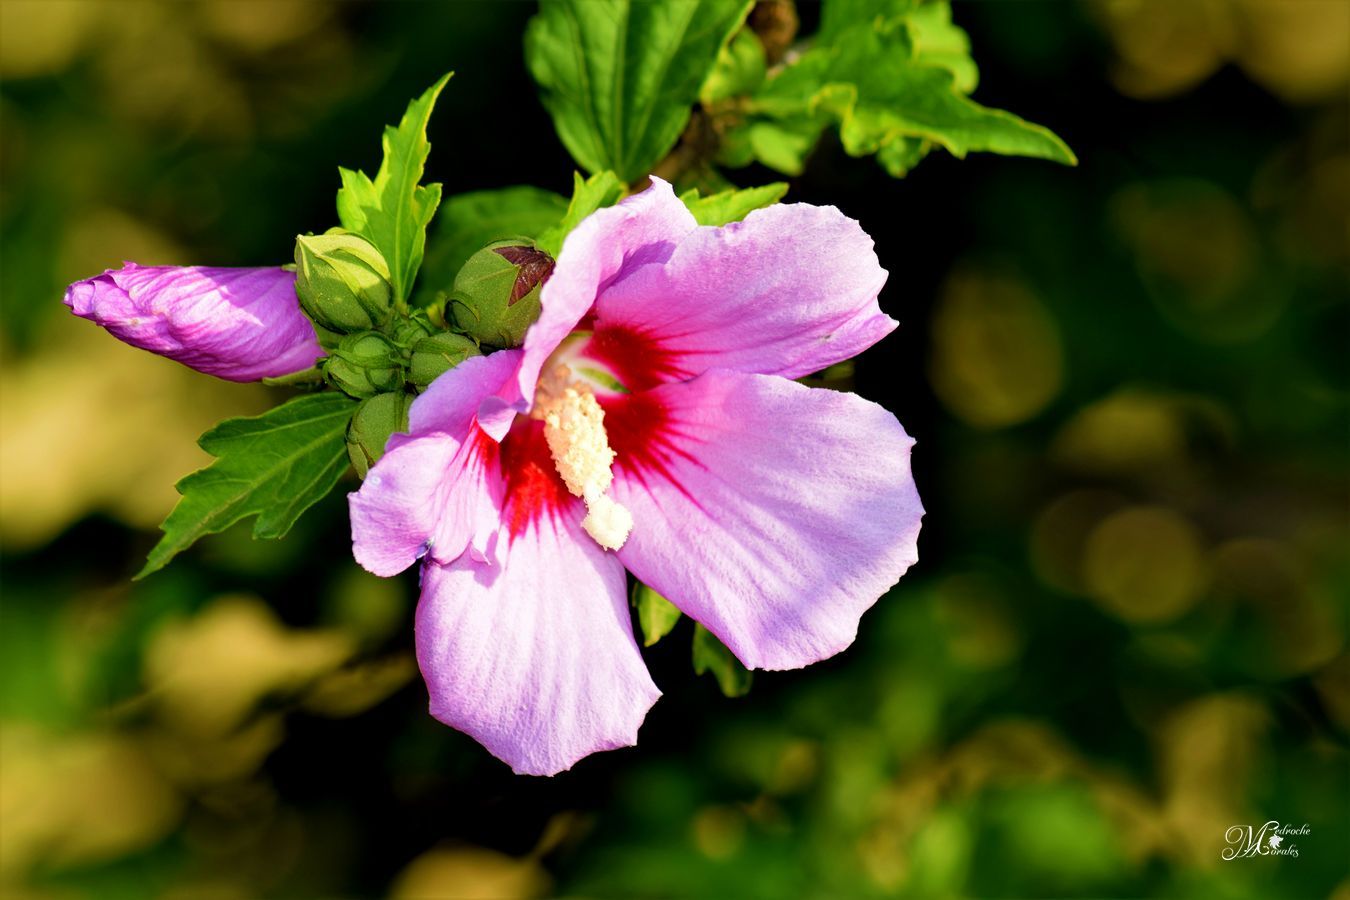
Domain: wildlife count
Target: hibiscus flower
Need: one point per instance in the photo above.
(237, 324)
(650, 422)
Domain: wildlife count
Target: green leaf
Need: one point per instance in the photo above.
(619, 77)
(273, 466)
(740, 70)
(902, 154)
(588, 194)
(393, 211)
(781, 144)
(711, 655)
(656, 614)
(839, 16)
(469, 222)
(893, 77)
(734, 205)
(939, 42)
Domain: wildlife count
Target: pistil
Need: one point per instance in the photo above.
(574, 426)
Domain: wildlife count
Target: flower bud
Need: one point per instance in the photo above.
(342, 281)
(239, 324)
(372, 424)
(364, 365)
(406, 332)
(435, 355)
(496, 294)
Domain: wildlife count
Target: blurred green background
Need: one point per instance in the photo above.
(1128, 381)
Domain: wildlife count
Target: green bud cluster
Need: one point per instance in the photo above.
(496, 294)
(382, 354)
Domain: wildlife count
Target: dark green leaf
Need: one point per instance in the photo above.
(711, 655)
(273, 466)
(619, 77)
(588, 194)
(393, 211)
(734, 205)
(656, 614)
(469, 222)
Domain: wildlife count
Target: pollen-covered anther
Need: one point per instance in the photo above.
(574, 426)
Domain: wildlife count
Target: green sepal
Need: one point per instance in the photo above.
(364, 365)
(711, 655)
(437, 354)
(371, 426)
(656, 615)
(305, 377)
(273, 466)
(342, 281)
(487, 302)
(406, 332)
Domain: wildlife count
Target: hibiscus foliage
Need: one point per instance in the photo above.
(273, 466)
(620, 77)
(685, 91)
(393, 210)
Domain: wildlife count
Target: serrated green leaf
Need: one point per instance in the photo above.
(656, 615)
(893, 77)
(711, 655)
(839, 16)
(393, 211)
(937, 41)
(588, 194)
(782, 144)
(902, 154)
(940, 42)
(273, 466)
(619, 77)
(739, 70)
(732, 206)
(919, 102)
(469, 222)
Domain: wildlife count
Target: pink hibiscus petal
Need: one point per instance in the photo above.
(773, 513)
(535, 658)
(789, 291)
(609, 245)
(439, 487)
(237, 324)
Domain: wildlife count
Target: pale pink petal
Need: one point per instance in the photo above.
(535, 658)
(438, 488)
(789, 291)
(773, 513)
(238, 324)
(608, 246)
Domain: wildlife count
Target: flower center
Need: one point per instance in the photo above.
(574, 427)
